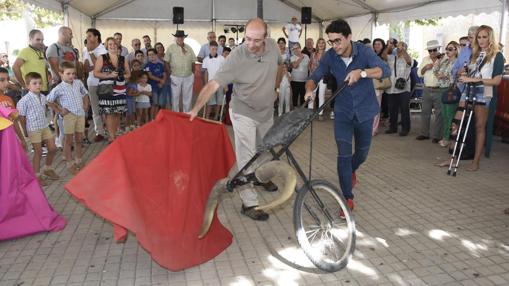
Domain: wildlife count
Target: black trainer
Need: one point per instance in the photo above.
(254, 214)
(269, 186)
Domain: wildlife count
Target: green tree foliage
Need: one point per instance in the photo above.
(14, 10)
(399, 29)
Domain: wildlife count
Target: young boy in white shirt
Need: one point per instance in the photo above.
(211, 65)
(70, 99)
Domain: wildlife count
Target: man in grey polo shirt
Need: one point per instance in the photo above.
(253, 70)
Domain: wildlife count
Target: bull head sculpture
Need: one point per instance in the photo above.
(264, 173)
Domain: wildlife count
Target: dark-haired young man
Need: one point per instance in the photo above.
(94, 50)
(356, 105)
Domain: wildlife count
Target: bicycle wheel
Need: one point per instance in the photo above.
(326, 239)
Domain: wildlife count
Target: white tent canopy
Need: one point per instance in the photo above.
(154, 17)
(274, 10)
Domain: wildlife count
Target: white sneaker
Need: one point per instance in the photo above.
(58, 144)
(443, 143)
(332, 115)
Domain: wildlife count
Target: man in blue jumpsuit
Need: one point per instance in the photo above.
(356, 105)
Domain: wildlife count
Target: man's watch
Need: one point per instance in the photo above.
(364, 74)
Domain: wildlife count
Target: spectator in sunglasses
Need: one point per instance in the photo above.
(431, 98)
(463, 41)
(464, 55)
(443, 72)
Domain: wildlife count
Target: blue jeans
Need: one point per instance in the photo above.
(344, 130)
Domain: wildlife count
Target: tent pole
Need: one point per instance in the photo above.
(503, 23)
(65, 11)
(305, 32)
(373, 25)
(213, 22)
(155, 32)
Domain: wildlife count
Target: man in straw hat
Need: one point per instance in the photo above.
(431, 97)
(181, 58)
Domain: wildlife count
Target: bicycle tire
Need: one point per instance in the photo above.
(307, 209)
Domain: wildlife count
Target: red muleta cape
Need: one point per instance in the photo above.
(155, 182)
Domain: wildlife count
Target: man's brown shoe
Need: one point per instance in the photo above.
(254, 214)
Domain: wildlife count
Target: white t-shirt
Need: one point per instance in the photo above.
(301, 72)
(293, 31)
(212, 65)
(347, 61)
(142, 97)
(98, 51)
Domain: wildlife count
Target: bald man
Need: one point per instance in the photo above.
(253, 69)
(57, 53)
(61, 51)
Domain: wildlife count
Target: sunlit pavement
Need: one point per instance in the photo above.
(416, 226)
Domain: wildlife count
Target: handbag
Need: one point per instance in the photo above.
(382, 84)
(105, 89)
(452, 94)
(400, 82)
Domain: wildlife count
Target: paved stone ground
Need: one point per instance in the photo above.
(416, 226)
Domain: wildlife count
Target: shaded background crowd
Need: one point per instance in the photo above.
(150, 77)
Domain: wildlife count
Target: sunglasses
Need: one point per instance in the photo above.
(432, 51)
(450, 49)
(334, 42)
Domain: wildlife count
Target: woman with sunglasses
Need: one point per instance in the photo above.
(443, 73)
(485, 72)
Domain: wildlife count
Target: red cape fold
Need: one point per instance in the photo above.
(155, 182)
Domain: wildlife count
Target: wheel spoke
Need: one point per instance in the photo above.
(313, 234)
(324, 238)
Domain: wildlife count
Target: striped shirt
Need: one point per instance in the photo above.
(32, 106)
(70, 96)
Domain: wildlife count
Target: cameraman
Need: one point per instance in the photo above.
(399, 92)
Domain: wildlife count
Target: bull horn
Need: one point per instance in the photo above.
(272, 169)
(214, 196)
